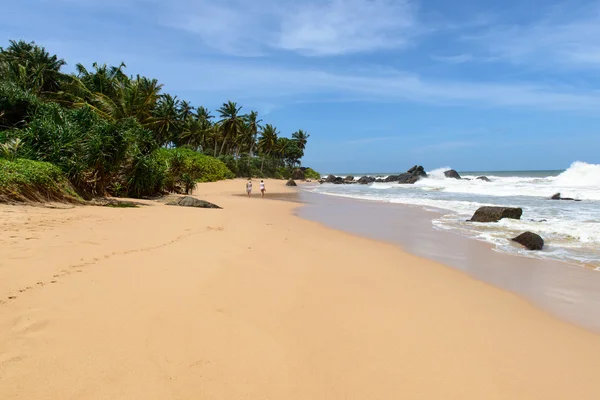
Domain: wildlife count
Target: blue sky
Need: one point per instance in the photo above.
(379, 84)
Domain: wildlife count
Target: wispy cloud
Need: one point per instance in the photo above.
(312, 27)
(260, 81)
(564, 35)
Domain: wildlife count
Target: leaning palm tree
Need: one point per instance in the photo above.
(231, 122)
(267, 143)
(301, 138)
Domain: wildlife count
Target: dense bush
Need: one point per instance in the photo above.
(16, 105)
(310, 173)
(88, 149)
(186, 167)
(22, 180)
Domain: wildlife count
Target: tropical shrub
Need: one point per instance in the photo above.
(22, 180)
(185, 167)
(310, 173)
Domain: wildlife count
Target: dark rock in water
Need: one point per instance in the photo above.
(407, 178)
(349, 178)
(330, 178)
(189, 201)
(391, 178)
(452, 174)
(495, 214)
(298, 174)
(483, 178)
(338, 180)
(366, 179)
(530, 240)
(290, 183)
(413, 169)
(557, 197)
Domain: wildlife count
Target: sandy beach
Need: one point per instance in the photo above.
(253, 302)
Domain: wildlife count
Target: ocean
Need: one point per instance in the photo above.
(570, 229)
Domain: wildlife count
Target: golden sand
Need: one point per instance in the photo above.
(251, 302)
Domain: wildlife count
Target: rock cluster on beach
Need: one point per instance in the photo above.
(409, 177)
(530, 240)
(291, 182)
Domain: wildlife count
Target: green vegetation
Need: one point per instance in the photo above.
(110, 133)
(310, 173)
(22, 180)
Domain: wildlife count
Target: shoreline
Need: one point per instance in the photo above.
(565, 290)
(252, 301)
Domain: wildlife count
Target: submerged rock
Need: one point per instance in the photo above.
(452, 174)
(291, 183)
(495, 214)
(556, 196)
(483, 178)
(530, 240)
(407, 178)
(366, 179)
(189, 201)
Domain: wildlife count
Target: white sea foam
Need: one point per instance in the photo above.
(571, 229)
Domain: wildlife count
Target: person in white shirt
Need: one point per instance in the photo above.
(262, 189)
(249, 187)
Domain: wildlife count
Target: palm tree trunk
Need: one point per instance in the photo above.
(223, 145)
(215, 147)
(262, 164)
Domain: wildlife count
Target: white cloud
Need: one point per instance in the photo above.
(565, 36)
(346, 26)
(257, 81)
(312, 27)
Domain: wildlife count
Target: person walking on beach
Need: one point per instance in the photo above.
(249, 187)
(262, 188)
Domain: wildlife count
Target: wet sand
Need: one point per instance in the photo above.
(571, 292)
(252, 302)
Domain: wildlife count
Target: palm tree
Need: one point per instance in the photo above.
(32, 67)
(231, 122)
(267, 143)
(167, 118)
(301, 138)
(253, 123)
(197, 128)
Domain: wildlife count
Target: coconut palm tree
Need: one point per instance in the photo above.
(253, 123)
(267, 143)
(167, 122)
(231, 122)
(32, 67)
(301, 138)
